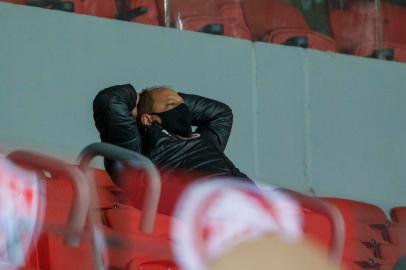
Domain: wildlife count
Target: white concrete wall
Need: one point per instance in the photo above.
(312, 121)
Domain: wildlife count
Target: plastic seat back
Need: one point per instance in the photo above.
(351, 27)
(393, 23)
(313, 39)
(388, 51)
(398, 214)
(264, 16)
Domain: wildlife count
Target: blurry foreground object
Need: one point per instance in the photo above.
(273, 252)
(19, 213)
(226, 223)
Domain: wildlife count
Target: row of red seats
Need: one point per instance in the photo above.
(361, 28)
(371, 240)
(140, 11)
(354, 29)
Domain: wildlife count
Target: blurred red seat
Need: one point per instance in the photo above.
(357, 25)
(278, 22)
(398, 214)
(140, 11)
(103, 180)
(388, 51)
(314, 40)
(264, 16)
(371, 264)
(151, 15)
(393, 23)
(56, 255)
(351, 27)
(356, 252)
(139, 246)
(391, 253)
(356, 211)
(148, 263)
(233, 14)
(397, 235)
(126, 220)
(99, 8)
(318, 228)
(215, 25)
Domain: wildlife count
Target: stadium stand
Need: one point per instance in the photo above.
(363, 30)
(357, 27)
(222, 17)
(278, 22)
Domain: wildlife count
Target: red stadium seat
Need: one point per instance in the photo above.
(278, 22)
(140, 247)
(126, 219)
(264, 16)
(391, 253)
(147, 263)
(371, 264)
(233, 14)
(356, 211)
(352, 27)
(388, 51)
(210, 17)
(215, 25)
(151, 14)
(314, 40)
(194, 7)
(317, 227)
(365, 225)
(357, 214)
(357, 252)
(99, 8)
(393, 23)
(397, 235)
(398, 214)
(103, 180)
(56, 255)
(357, 25)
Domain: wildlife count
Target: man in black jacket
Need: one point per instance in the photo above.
(160, 127)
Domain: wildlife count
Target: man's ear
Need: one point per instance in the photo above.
(146, 120)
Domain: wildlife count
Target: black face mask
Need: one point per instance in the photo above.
(177, 120)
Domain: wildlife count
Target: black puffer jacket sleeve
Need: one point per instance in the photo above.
(112, 115)
(213, 119)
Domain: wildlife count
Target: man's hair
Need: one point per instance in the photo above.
(146, 101)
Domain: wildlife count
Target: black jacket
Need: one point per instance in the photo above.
(204, 155)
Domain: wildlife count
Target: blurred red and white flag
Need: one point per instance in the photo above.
(219, 214)
(19, 212)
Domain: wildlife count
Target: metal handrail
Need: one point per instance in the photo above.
(153, 192)
(81, 202)
(167, 13)
(334, 216)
